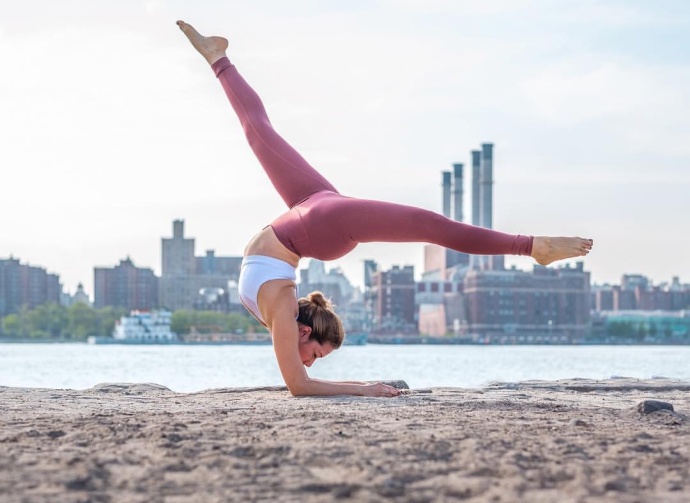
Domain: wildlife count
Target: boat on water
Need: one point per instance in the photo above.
(140, 327)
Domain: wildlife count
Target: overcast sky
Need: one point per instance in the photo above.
(112, 126)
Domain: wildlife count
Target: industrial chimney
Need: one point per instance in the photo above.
(486, 182)
(446, 193)
(476, 261)
(457, 192)
(476, 173)
(486, 191)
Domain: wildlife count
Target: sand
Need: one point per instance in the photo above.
(562, 441)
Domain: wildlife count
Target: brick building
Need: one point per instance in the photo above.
(547, 305)
(392, 295)
(23, 285)
(636, 292)
(125, 286)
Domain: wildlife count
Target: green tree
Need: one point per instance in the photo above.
(82, 321)
(47, 321)
(210, 321)
(238, 322)
(107, 316)
(12, 326)
(181, 321)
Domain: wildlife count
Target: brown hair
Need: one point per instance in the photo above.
(316, 311)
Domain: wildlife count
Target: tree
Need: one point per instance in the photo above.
(210, 321)
(107, 316)
(47, 321)
(82, 321)
(12, 326)
(181, 321)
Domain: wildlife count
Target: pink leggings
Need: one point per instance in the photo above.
(326, 225)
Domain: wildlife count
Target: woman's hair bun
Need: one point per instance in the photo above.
(316, 311)
(319, 300)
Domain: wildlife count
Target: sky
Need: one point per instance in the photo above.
(112, 126)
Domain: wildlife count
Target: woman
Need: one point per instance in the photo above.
(325, 225)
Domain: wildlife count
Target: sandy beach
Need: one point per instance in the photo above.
(561, 441)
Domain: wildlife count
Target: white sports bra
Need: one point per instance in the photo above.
(254, 272)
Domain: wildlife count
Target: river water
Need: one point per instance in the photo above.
(195, 368)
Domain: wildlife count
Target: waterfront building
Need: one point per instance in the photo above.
(392, 300)
(507, 306)
(636, 292)
(184, 275)
(24, 285)
(440, 304)
(125, 286)
(602, 298)
(548, 305)
(643, 326)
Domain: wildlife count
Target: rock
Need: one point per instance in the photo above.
(649, 406)
(129, 388)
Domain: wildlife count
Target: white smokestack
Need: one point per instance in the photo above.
(476, 174)
(486, 190)
(446, 193)
(457, 192)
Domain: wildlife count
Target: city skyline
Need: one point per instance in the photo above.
(107, 142)
(333, 267)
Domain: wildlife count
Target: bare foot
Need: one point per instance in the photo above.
(211, 48)
(547, 249)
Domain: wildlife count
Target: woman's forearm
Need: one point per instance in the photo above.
(318, 387)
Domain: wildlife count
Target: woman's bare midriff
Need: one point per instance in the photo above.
(266, 243)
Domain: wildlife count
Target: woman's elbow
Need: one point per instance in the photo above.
(301, 388)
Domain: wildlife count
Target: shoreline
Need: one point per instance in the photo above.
(561, 441)
(424, 342)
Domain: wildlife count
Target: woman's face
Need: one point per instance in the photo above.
(310, 350)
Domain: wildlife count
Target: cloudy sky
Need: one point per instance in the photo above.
(112, 126)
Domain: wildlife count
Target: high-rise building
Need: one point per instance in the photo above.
(23, 285)
(184, 275)
(125, 286)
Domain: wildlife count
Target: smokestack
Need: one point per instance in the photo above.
(457, 192)
(446, 194)
(493, 262)
(476, 174)
(476, 260)
(486, 193)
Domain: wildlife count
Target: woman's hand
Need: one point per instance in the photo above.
(379, 389)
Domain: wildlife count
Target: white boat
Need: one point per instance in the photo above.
(140, 327)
